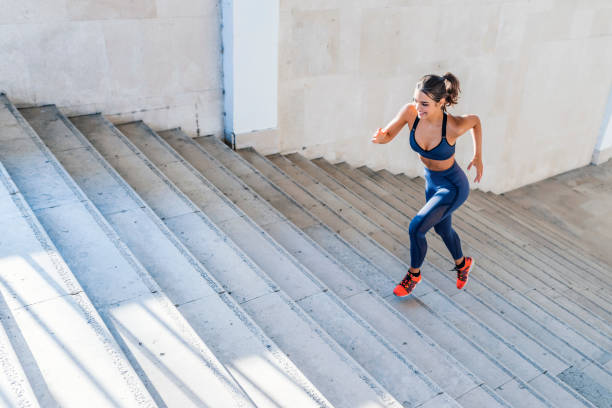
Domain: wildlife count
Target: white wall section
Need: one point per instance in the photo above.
(250, 39)
(156, 60)
(227, 35)
(536, 72)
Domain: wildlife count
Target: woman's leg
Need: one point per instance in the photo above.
(445, 192)
(444, 228)
(432, 213)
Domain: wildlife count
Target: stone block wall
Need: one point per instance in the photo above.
(536, 72)
(157, 60)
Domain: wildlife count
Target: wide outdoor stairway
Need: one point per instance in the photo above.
(143, 268)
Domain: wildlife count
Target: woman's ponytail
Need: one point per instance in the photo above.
(452, 89)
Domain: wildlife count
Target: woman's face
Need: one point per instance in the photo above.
(425, 105)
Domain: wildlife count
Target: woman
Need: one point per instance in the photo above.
(433, 136)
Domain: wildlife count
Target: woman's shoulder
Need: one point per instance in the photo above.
(407, 109)
(409, 113)
(459, 124)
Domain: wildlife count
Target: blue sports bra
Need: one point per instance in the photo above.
(442, 151)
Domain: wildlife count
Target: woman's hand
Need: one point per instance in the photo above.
(476, 162)
(380, 137)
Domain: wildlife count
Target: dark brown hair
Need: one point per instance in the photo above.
(438, 87)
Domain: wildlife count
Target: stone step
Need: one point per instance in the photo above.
(495, 281)
(15, 249)
(254, 361)
(417, 310)
(574, 203)
(577, 311)
(173, 363)
(560, 338)
(15, 388)
(592, 279)
(437, 364)
(502, 308)
(349, 330)
(557, 242)
(597, 292)
(335, 374)
(489, 328)
(55, 336)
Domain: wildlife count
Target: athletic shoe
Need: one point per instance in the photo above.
(406, 285)
(462, 274)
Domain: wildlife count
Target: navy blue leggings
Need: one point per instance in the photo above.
(445, 191)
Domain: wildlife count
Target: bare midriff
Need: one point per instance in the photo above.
(438, 165)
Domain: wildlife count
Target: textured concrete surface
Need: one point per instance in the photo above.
(579, 202)
(587, 386)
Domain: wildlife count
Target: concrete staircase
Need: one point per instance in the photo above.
(143, 268)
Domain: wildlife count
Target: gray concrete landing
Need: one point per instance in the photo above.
(579, 202)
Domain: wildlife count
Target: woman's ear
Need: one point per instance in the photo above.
(442, 103)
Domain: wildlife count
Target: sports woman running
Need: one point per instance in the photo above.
(433, 134)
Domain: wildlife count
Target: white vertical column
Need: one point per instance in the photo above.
(603, 148)
(250, 65)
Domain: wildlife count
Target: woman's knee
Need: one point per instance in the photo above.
(414, 228)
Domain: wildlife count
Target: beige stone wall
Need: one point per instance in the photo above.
(536, 72)
(157, 60)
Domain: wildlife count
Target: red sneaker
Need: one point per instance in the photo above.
(462, 274)
(406, 285)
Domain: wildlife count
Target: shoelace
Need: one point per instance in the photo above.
(461, 275)
(407, 282)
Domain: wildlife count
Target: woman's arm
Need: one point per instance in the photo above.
(472, 123)
(397, 123)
